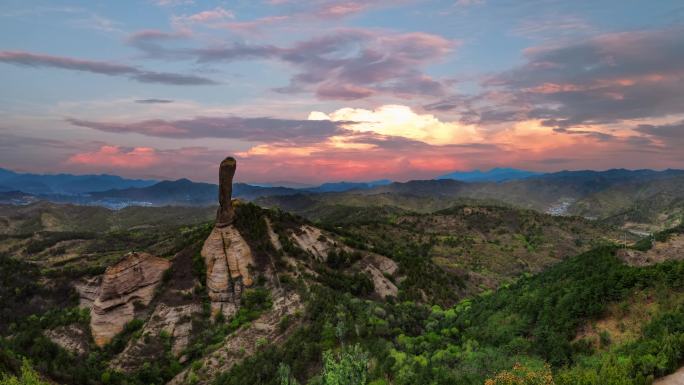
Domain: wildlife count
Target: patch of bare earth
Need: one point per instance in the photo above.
(670, 250)
(73, 338)
(622, 322)
(676, 378)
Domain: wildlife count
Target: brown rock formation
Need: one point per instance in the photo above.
(130, 282)
(312, 240)
(226, 254)
(227, 257)
(225, 213)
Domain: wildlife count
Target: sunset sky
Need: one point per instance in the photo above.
(329, 90)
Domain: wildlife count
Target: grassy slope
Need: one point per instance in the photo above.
(655, 205)
(485, 245)
(44, 216)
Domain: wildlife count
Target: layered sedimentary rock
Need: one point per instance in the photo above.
(129, 283)
(227, 257)
(88, 290)
(312, 240)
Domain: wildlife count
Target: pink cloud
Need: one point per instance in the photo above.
(117, 157)
(342, 9)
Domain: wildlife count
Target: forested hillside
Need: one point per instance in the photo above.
(469, 295)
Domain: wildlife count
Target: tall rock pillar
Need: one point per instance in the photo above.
(226, 253)
(225, 212)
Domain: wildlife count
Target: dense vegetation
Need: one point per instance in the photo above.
(535, 328)
(440, 252)
(533, 321)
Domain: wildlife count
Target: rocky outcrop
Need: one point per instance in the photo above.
(228, 259)
(88, 290)
(312, 240)
(226, 254)
(379, 268)
(129, 283)
(72, 338)
(175, 321)
(245, 342)
(275, 241)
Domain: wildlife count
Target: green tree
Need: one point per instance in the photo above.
(349, 368)
(285, 375)
(28, 376)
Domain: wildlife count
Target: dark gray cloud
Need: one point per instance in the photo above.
(665, 131)
(603, 137)
(28, 59)
(172, 79)
(251, 129)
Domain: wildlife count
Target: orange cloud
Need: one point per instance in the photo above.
(117, 157)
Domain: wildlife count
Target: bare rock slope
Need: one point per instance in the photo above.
(129, 283)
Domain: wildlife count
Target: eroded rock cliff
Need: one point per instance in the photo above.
(228, 260)
(129, 283)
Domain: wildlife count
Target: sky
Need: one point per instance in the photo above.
(330, 90)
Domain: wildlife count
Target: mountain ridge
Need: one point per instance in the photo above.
(497, 174)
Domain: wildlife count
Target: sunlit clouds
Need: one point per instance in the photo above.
(398, 120)
(333, 90)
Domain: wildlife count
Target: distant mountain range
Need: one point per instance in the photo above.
(346, 186)
(493, 175)
(654, 199)
(66, 184)
(635, 196)
(117, 192)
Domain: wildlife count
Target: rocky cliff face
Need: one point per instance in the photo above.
(176, 321)
(129, 283)
(379, 267)
(228, 260)
(246, 341)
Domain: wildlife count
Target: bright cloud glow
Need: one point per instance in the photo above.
(397, 120)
